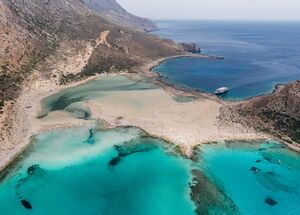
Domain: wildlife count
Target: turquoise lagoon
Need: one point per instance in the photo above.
(72, 99)
(124, 171)
(260, 178)
(91, 170)
(119, 171)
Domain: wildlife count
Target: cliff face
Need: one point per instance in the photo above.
(111, 10)
(191, 47)
(276, 113)
(31, 31)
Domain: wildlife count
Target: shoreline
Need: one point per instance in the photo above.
(156, 78)
(277, 87)
(165, 84)
(19, 122)
(27, 132)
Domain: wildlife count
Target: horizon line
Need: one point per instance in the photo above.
(229, 20)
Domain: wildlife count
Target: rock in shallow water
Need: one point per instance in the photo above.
(270, 201)
(114, 161)
(91, 139)
(137, 145)
(209, 199)
(32, 169)
(26, 204)
(255, 169)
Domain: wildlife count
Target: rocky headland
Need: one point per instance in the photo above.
(191, 47)
(277, 114)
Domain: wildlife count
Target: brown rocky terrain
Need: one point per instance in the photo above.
(277, 113)
(191, 47)
(31, 31)
(58, 41)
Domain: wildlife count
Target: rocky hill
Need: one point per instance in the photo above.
(31, 31)
(277, 113)
(111, 10)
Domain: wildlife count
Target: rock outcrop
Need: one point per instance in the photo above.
(277, 113)
(112, 11)
(191, 47)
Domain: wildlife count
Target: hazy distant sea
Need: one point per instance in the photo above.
(258, 55)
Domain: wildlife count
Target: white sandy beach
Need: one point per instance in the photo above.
(155, 111)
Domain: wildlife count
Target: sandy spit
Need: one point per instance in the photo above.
(185, 124)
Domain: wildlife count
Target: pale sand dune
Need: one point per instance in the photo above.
(155, 111)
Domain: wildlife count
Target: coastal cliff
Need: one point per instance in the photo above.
(112, 11)
(191, 47)
(277, 113)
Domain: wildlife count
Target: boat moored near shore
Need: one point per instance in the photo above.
(221, 90)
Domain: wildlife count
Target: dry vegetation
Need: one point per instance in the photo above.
(31, 31)
(277, 114)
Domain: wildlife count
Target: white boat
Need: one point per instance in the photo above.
(221, 90)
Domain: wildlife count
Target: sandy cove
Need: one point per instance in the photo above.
(185, 124)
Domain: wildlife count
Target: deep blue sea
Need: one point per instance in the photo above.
(258, 55)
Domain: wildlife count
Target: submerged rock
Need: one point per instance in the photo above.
(114, 161)
(255, 169)
(79, 110)
(137, 145)
(270, 201)
(26, 204)
(91, 139)
(271, 181)
(208, 198)
(270, 160)
(32, 169)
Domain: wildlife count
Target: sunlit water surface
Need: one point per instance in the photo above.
(90, 170)
(258, 55)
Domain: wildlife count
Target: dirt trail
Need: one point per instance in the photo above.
(103, 39)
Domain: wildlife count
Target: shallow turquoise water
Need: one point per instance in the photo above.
(250, 174)
(258, 55)
(71, 98)
(89, 170)
(80, 174)
(124, 171)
